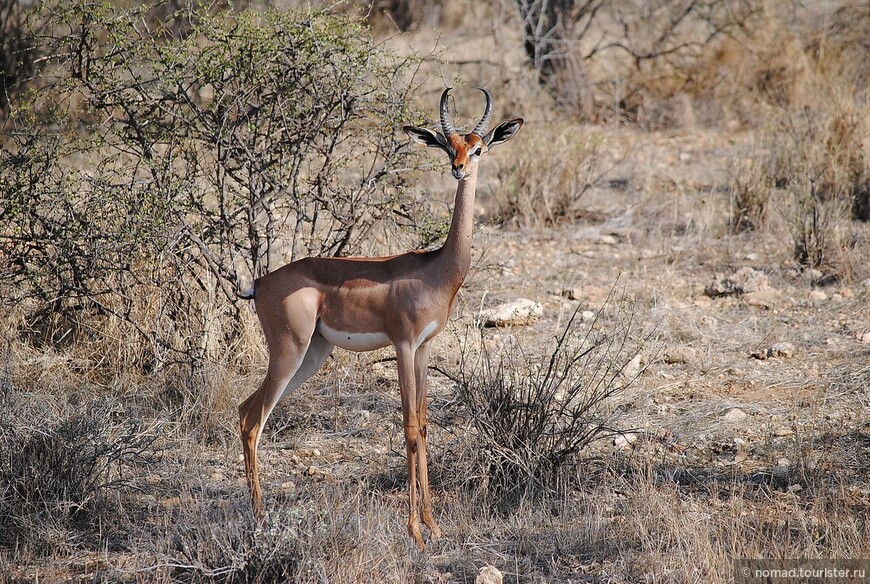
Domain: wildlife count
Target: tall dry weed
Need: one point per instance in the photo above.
(546, 188)
(533, 417)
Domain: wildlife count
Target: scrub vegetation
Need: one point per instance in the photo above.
(688, 201)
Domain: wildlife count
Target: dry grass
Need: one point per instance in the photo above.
(547, 189)
(750, 152)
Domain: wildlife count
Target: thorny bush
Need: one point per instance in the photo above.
(201, 161)
(62, 469)
(533, 417)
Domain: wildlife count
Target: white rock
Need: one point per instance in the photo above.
(863, 337)
(679, 354)
(489, 575)
(780, 350)
(624, 441)
(818, 296)
(633, 367)
(762, 298)
(571, 293)
(517, 312)
(735, 415)
(743, 281)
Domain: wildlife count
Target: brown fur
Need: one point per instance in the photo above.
(402, 301)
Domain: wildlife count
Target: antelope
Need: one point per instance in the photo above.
(309, 306)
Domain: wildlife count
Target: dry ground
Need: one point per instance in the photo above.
(735, 445)
(730, 454)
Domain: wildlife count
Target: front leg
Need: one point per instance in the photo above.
(407, 387)
(421, 374)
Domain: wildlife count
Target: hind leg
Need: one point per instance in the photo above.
(293, 358)
(318, 350)
(255, 410)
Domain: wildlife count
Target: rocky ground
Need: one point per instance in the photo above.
(745, 430)
(756, 380)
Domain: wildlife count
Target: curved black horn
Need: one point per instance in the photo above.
(446, 126)
(480, 129)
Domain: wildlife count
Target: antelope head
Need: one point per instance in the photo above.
(465, 151)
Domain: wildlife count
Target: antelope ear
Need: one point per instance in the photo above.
(503, 132)
(429, 138)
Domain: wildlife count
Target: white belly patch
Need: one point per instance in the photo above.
(361, 342)
(353, 341)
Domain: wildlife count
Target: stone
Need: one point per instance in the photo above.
(489, 575)
(863, 337)
(633, 368)
(749, 280)
(624, 441)
(517, 312)
(679, 354)
(781, 470)
(762, 298)
(817, 296)
(735, 415)
(744, 281)
(783, 349)
(571, 293)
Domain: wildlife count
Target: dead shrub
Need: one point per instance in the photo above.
(750, 186)
(64, 469)
(340, 533)
(816, 157)
(533, 417)
(546, 189)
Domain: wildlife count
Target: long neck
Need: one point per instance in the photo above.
(456, 251)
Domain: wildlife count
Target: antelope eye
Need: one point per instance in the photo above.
(476, 152)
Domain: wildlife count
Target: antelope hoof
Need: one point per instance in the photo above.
(434, 530)
(414, 532)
